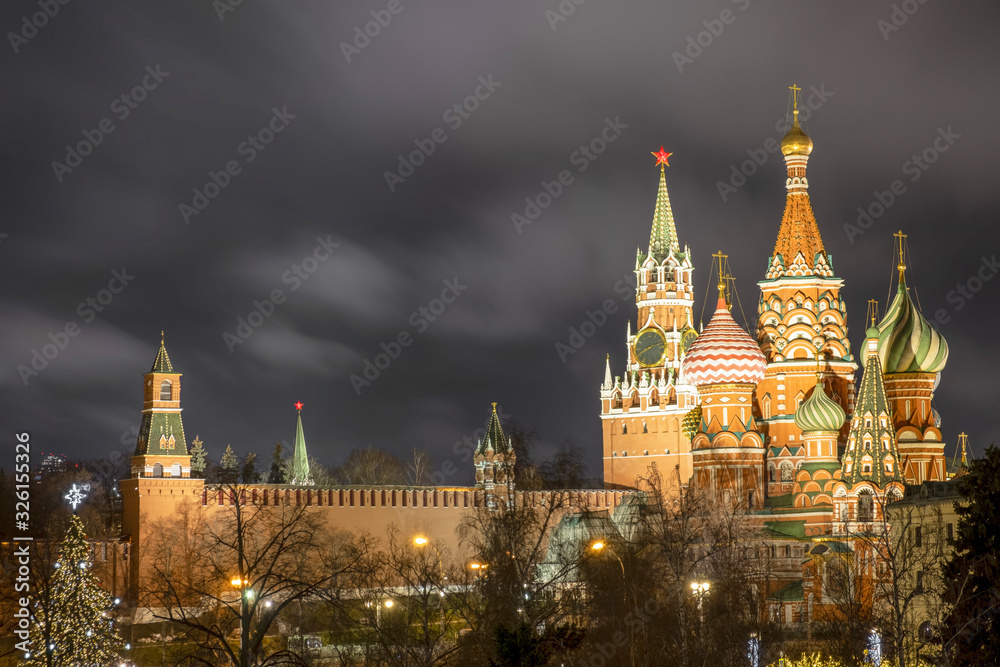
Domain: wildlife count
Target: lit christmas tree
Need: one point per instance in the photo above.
(77, 629)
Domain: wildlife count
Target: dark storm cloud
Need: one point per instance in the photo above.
(324, 176)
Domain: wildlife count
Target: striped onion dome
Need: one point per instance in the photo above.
(819, 412)
(907, 343)
(723, 354)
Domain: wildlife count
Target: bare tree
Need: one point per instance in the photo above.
(371, 466)
(517, 602)
(707, 577)
(418, 468)
(408, 606)
(237, 568)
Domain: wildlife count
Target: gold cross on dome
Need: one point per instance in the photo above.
(795, 95)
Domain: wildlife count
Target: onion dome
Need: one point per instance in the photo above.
(724, 353)
(819, 412)
(908, 343)
(796, 142)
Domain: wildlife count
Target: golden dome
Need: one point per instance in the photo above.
(796, 142)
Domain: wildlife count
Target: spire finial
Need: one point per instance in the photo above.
(819, 367)
(298, 405)
(723, 276)
(872, 310)
(161, 337)
(795, 98)
(901, 250)
(495, 404)
(963, 439)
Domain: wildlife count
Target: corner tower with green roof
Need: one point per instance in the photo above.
(161, 449)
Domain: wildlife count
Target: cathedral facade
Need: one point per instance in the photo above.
(774, 424)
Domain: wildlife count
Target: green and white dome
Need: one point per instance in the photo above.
(908, 343)
(819, 412)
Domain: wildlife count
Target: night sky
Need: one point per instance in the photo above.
(309, 117)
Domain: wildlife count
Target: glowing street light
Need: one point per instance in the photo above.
(420, 540)
(388, 604)
(597, 546)
(700, 589)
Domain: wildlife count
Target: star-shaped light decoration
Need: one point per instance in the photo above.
(298, 405)
(76, 495)
(661, 156)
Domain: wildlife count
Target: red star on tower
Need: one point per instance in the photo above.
(298, 406)
(661, 156)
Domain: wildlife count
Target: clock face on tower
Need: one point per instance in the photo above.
(649, 347)
(688, 337)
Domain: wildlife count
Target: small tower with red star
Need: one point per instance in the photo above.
(300, 459)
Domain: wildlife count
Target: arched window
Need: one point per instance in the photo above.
(771, 471)
(866, 506)
(165, 390)
(157, 470)
(644, 428)
(926, 631)
(766, 407)
(624, 429)
(175, 470)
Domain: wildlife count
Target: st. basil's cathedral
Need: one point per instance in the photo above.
(774, 425)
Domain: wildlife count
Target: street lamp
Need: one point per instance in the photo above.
(598, 547)
(700, 590)
(239, 584)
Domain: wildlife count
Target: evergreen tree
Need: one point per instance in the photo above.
(277, 473)
(972, 632)
(248, 470)
(229, 466)
(197, 458)
(76, 627)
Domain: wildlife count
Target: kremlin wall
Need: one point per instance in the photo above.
(780, 425)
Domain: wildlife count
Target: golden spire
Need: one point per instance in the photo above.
(900, 249)
(962, 440)
(872, 310)
(722, 273)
